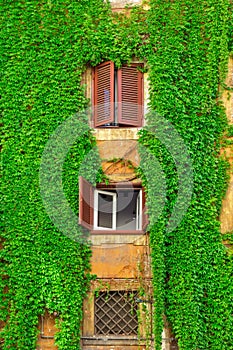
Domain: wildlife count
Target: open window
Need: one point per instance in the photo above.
(111, 209)
(118, 95)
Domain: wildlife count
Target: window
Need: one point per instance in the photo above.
(116, 313)
(118, 95)
(117, 210)
(112, 209)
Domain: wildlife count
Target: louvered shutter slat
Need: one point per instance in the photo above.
(86, 201)
(104, 94)
(130, 98)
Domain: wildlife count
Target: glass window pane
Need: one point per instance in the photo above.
(126, 210)
(105, 210)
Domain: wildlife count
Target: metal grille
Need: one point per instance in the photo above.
(116, 313)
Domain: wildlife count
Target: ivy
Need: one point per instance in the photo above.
(46, 46)
(185, 73)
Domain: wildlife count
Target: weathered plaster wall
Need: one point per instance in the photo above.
(47, 330)
(119, 5)
(131, 260)
(118, 143)
(119, 261)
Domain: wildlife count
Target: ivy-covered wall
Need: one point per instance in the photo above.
(187, 70)
(46, 45)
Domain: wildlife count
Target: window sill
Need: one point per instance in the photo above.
(116, 133)
(116, 232)
(114, 341)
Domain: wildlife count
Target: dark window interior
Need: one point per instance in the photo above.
(126, 206)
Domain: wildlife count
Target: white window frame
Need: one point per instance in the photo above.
(96, 209)
(139, 211)
(114, 210)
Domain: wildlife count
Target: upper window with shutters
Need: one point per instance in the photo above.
(117, 95)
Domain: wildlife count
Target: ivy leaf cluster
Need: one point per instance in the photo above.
(46, 46)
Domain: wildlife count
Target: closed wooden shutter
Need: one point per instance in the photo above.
(86, 203)
(145, 218)
(103, 94)
(130, 95)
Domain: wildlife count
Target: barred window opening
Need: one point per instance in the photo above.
(116, 313)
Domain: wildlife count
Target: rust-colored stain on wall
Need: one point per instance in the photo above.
(123, 261)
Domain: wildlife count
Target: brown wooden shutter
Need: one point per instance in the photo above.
(103, 94)
(145, 218)
(86, 203)
(130, 95)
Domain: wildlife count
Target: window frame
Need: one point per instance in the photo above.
(89, 336)
(96, 209)
(138, 203)
(127, 102)
(132, 314)
(90, 203)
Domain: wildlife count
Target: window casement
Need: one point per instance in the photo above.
(110, 209)
(117, 95)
